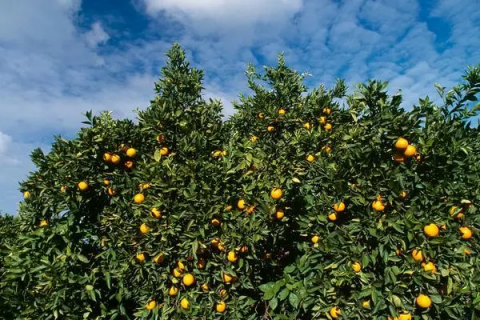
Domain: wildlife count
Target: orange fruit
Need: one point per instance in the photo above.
(307, 125)
(328, 127)
(129, 164)
(180, 265)
(222, 293)
(201, 263)
(423, 301)
(279, 214)
(270, 128)
(82, 185)
(131, 153)
(63, 188)
(159, 258)
(155, 213)
(377, 205)
(106, 182)
(215, 222)
(160, 138)
(243, 249)
(281, 111)
(250, 209)
(366, 304)
(339, 207)
(144, 228)
(164, 151)
(188, 279)
(401, 144)
(276, 193)
(261, 115)
(405, 316)
(26, 195)
(140, 257)
(357, 267)
(241, 204)
(332, 216)
(310, 158)
(322, 120)
(44, 223)
(116, 159)
(151, 304)
(403, 194)
(221, 246)
(253, 139)
(227, 278)
(107, 157)
(185, 304)
(466, 233)
(177, 273)
(232, 256)
(410, 151)
(327, 149)
(172, 291)
(467, 252)
(335, 312)
(417, 255)
(327, 111)
(221, 306)
(205, 287)
(139, 198)
(315, 239)
(228, 208)
(111, 192)
(429, 267)
(431, 230)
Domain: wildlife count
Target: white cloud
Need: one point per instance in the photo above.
(96, 35)
(5, 141)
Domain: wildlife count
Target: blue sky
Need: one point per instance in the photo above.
(60, 58)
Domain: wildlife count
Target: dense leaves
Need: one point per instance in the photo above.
(294, 208)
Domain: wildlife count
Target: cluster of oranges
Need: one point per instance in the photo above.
(404, 151)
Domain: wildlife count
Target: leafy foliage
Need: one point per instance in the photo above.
(199, 196)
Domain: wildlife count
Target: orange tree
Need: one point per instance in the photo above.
(295, 208)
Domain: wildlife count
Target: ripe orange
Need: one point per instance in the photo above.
(328, 127)
(44, 223)
(276, 193)
(232, 256)
(401, 144)
(261, 115)
(221, 246)
(467, 252)
(176, 273)
(429, 267)
(241, 204)
(164, 151)
(327, 111)
(172, 291)
(431, 230)
(63, 188)
(322, 120)
(357, 267)
(327, 149)
(332, 216)
(106, 182)
(466, 233)
(270, 128)
(139, 198)
(215, 222)
(281, 111)
(144, 228)
(221, 306)
(159, 258)
(205, 287)
(423, 301)
(417, 255)
(227, 278)
(307, 125)
(160, 138)
(366, 304)
(111, 192)
(250, 209)
(335, 312)
(405, 316)
(410, 151)
(223, 293)
(82, 185)
(377, 205)
(140, 257)
(188, 279)
(155, 213)
(107, 157)
(151, 304)
(403, 194)
(185, 304)
(180, 265)
(244, 249)
(279, 214)
(116, 159)
(129, 164)
(131, 153)
(310, 158)
(315, 239)
(26, 195)
(253, 139)
(228, 208)
(339, 207)
(398, 157)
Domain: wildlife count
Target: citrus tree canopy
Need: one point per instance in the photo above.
(305, 204)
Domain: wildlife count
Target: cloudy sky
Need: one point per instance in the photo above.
(60, 58)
